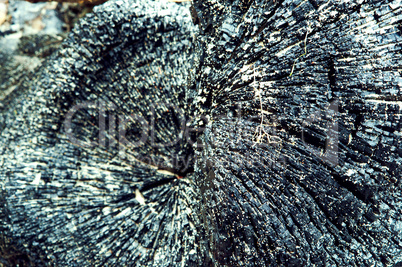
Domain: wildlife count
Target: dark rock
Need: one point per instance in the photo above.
(39, 45)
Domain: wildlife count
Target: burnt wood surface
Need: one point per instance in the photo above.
(318, 180)
(80, 187)
(268, 136)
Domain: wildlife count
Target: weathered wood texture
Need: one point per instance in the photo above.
(318, 182)
(99, 201)
(299, 162)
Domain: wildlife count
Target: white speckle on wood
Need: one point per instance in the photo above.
(139, 197)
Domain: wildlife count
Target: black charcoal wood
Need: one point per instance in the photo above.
(289, 153)
(307, 171)
(77, 188)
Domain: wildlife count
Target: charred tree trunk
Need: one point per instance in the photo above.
(93, 172)
(307, 171)
(272, 139)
